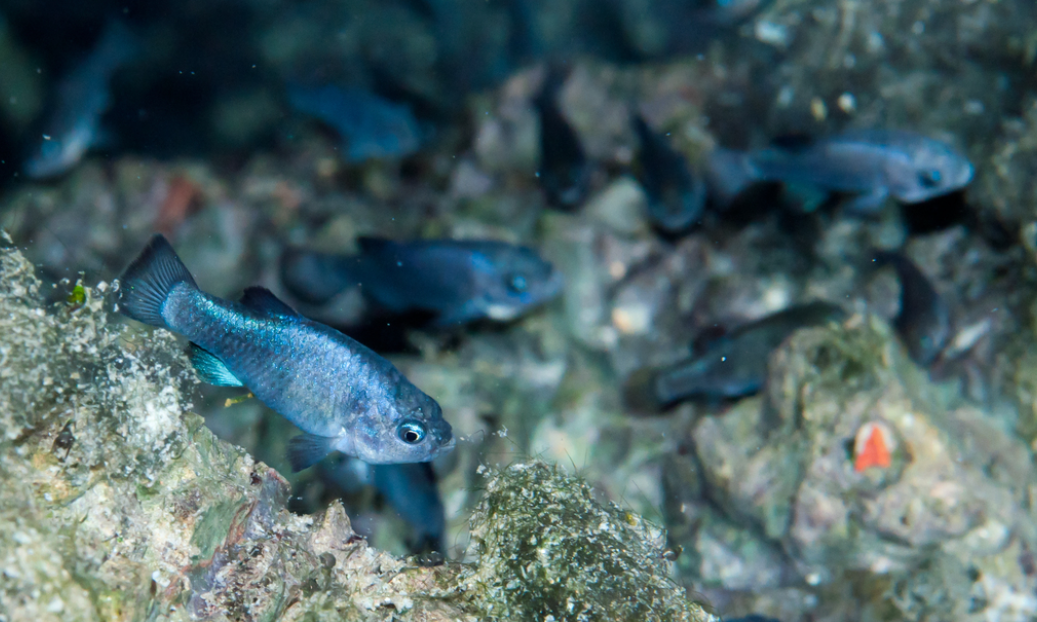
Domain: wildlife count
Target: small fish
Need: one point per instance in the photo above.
(458, 280)
(676, 196)
(731, 366)
(372, 127)
(564, 169)
(73, 124)
(923, 322)
(872, 165)
(341, 394)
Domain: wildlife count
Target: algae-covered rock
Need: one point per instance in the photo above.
(117, 503)
(546, 550)
(855, 468)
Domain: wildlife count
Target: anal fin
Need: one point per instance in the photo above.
(210, 368)
(307, 450)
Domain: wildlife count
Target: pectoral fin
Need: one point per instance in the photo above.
(868, 203)
(307, 450)
(210, 368)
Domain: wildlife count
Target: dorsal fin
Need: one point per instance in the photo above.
(263, 300)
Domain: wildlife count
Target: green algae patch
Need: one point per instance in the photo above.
(547, 550)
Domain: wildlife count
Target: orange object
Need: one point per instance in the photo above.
(875, 450)
(183, 198)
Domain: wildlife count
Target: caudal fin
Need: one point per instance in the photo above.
(315, 278)
(728, 174)
(146, 283)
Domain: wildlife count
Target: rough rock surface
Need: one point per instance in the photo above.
(117, 503)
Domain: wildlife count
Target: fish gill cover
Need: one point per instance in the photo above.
(117, 503)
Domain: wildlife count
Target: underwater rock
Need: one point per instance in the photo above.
(853, 465)
(116, 502)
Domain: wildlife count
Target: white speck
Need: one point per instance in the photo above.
(918, 27)
(785, 96)
(974, 107)
(847, 103)
(56, 605)
(813, 578)
(46, 137)
(774, 34)
(723, 359)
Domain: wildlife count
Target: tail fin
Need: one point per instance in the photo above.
(316, 278)
(728, 174)
(146, 283)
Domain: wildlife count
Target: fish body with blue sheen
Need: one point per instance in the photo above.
(457, 280)
(565, 171)
(923, 321)
(734, 365)
(342, 395)
(372, 127)
(870, 165)
(72, 124)
(676, 196)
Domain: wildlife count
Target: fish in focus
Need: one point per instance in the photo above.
(410, 489)
(72, 124)
(342, 395)
(871, 165)
(676, 196)
(564, 172)
(923, 322)
(373, 128)
(732, 366)
(457, 280)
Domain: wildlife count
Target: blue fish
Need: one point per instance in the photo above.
(372, 127)
(731, 366)
(458, 280)
(676, 196)
(342, 395)
(81, 97)
(872, 165)
(923, 322)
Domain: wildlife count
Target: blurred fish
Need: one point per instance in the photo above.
(341, 394)
(410, 489)
(923, 321)
(871, 164)
(564, 170)
(458, 280)
(676, 197)
(372, 127)
(72, 125)
(732, 366)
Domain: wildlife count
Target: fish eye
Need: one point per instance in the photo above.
(411, 432)
(517, 284)
(929, 178)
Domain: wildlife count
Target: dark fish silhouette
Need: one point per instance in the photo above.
(923, 322)
(457, 280)
(564, 169)
(81, 97)
(341, 394)
(731, 366)
(676, 196)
